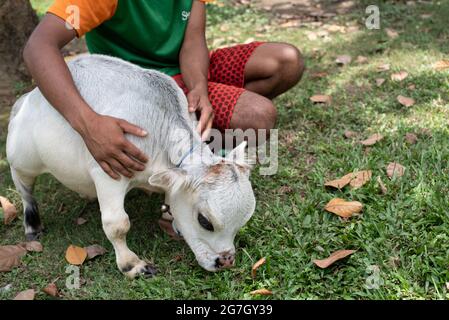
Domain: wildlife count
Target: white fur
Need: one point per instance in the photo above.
(41, 141)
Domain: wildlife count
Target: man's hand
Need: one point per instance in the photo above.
(199, 101)
(105, 138)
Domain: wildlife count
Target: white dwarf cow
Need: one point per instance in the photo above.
(210, 197)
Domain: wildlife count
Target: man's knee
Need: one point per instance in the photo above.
(254, 111)
(292, 62)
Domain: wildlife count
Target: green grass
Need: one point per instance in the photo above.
(409, 225)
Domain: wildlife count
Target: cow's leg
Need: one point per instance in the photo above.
(24, 184)
(116, 224)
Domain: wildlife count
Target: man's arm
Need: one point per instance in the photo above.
(194, 61)
(104, 136)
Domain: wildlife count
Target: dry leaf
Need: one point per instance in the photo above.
(10, 256)
(343, 208)
(399, 76)
(34, 246)
(406, 102)
(319, 74)
(392, 34)
(395, 170)
(51, 290)
(256, 266)
(285, 189)
(80, 221)
(350, 134)
(341, 182)
(412, 87)
(262, 292)
(382, 186)
(321, 98)
(383, 67)
(379, 81)
(25, 295)
(361, 59)
(447, 285)
(360, 178)
(343, 59)
(9, 210)
(312, 36)
(94, 250)
(337, 255)
(75, 255)
(373, 139)
(411, 138)
(441, 65)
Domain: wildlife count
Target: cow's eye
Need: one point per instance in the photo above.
(205, 223)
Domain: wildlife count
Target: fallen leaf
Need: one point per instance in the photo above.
(51, 290)
(382, 186)
(34, 246)
(383, 67)
(94, 251)
(399, 76)
(262, 292)
(80, 221)
(9, 210)
(361, 59)
(426, 15)
(406, 102)
(319, 74)
(360, 178)
(256, 266)
(350, 134)
(379, 81)
(343, 208)
(75, 255)
(343, 59)
(411, 138)
(341, 182)
(224, 28)
(337, 255)
(312, 36)
(447, 285)
(321, 98)
(285, 189)
(25, 295)
(10, 256)
(442, 65)
(392, 34)
(373, 139)
(412, 87)
(290, 24)
(395, 170)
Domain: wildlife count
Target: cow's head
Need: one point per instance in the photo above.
(209, 204)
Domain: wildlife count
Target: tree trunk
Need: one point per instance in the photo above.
(17, 22)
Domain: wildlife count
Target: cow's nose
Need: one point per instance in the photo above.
(225, 260)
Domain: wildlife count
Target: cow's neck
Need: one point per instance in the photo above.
(188, 149)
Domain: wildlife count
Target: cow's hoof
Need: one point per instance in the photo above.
(143, 269)
(33, 236)
(148, 271)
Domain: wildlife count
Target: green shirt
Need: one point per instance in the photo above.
(148, 33)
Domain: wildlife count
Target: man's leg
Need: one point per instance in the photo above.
(273, 68)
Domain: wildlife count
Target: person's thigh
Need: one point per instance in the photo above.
(227, 65)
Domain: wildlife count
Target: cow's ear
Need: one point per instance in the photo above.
(238, 154)
(168, 180)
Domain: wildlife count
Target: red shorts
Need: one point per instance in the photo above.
(226, 80)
